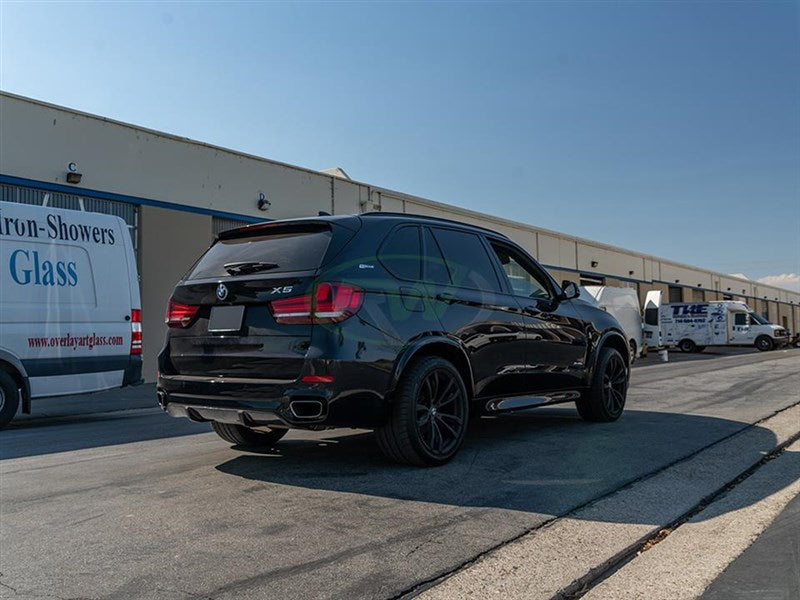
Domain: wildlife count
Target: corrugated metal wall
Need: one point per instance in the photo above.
(220, 224)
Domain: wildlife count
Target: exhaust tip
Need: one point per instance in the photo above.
(306, 409)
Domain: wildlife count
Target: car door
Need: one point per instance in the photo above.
(471, 304)
(739, 328)
(555, 333)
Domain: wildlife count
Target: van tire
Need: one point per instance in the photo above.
(244, 436)
(598, 403)
(687, 345)
(404, 439)
(9, 398)
(764, 343)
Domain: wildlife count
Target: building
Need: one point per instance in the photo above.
(176, 194)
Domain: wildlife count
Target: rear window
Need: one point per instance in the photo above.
(274, 253)
(651, 316)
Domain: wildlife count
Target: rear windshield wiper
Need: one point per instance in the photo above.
(238, 268)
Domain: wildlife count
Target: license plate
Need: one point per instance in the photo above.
(225, 319)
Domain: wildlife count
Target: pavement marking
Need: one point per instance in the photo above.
(591, 539)
(712, 539)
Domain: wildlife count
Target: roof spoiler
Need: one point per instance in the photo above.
(351, 222)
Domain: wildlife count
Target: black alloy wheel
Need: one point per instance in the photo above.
(440, 411)
(429, 414)
(604, 400)
(615, 384)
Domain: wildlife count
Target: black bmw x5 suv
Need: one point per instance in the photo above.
(405, 324)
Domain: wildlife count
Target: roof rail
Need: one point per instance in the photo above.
(428, 218)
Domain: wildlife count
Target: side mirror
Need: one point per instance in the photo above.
(569, 290)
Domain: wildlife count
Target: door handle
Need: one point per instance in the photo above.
(445, 297)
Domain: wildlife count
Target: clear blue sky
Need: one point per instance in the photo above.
(671, 128)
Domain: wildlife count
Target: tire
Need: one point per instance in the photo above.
(9, 399)
(699, 348)
(240, 435)
(764, 343)
(429, 415)
(604, 401)
(687, 345)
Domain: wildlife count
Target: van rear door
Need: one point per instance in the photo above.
(652, 325)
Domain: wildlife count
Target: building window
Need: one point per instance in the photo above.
(592, 280)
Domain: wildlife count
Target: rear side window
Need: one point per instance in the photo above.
(740, 319)
(467, 260)
(651, 316)
(277, 252)
(434, 269)
(400, 253)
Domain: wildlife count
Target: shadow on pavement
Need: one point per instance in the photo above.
(545, 462)
(87, 431)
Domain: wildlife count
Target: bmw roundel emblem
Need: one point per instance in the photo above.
(222, 291)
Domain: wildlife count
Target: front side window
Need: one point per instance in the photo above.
(740, 319)
(522, 280)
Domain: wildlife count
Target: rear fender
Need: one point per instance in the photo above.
(436, 345)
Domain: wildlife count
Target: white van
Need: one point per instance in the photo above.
(691, 326)
(623, 304)
(70, 312)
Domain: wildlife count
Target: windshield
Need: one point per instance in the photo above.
(758, 319)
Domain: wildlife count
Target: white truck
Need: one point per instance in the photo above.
(623, 304)
(70, 311)
(691, 326)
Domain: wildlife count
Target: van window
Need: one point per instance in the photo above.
(400, 253)
(277, 252)
(740, 318)
(467, 260)
(651, 316)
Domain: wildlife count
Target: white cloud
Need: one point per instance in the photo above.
(789, 281)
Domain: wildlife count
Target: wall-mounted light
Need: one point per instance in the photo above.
(72, 173)
(630, 273)
(699, 284)
(729, 289)
(677, 281)
(595, 263)
(263, 203)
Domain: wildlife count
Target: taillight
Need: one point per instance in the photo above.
(136, 331)
(330, 303)
(180, 315)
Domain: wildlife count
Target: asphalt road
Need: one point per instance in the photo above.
(137, 505)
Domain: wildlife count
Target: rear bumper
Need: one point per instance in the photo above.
(269, 402)
(133, 372)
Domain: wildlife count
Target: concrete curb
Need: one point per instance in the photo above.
(590, 540)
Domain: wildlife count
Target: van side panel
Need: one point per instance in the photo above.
(65, 297)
